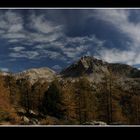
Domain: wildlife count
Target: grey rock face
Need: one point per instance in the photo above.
(33, 75)
(98, 68)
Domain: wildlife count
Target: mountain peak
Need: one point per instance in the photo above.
(89, 60)
(88, 65)
(85, 65)
(36, 74)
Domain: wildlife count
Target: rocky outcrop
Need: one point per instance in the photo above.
(29, 118)
(90, 66)
(100, 123)
(33, 75)
(86, 65)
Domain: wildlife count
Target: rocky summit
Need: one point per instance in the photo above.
(92, 67)
(86, 65)
(35, 74)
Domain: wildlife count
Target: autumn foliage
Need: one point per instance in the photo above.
(68, 102)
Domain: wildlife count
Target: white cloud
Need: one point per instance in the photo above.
(41, 24)
(81, 45)
(113, 16)
(51, 54)
(19, 52)
(42, 38)
(46, 33)
(4, 69)
(15, 28)
(77, 46)
(57, 67)
(13, 40)
(12, 28)
(2, 31)
(25, 54)
(17, 49)
(120, 20)
(114, 55)
(50, 35)
(14, 36)
(11, 21)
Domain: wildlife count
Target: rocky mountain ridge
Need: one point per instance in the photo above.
(92, 68)
(89, 65)
(36, 74)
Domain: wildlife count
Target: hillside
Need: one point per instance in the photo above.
(90, 91)
(35, 74)
(96, 70)
(89, 65)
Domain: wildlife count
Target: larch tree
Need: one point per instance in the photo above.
(26, 94)
(52, 102)
(86, 103)
(7, 112)
(69, 102)
(106, 97)
(13, 88)
(38, 90)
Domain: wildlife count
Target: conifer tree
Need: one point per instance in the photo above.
(10, 83)
(26, 94)
(52, 102)
(86, 102)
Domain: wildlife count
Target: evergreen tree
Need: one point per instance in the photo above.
(86, 101)
(69, 102)
(26, 94)
(11, 85)
(52, 103)
(38, 90)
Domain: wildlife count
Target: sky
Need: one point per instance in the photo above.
(55, 38)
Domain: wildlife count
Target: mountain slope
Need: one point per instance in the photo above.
(87, 91)
(86, 65)
(91, 66)
(35, 74)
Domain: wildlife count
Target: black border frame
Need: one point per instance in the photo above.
(60, 132)
(69, 3)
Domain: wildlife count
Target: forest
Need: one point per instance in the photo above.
(67, 102)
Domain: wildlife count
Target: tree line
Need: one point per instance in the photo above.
(75, 102)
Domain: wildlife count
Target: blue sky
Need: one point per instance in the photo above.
(55, 38)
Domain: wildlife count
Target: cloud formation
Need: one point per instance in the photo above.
(17, 49)
(66, 35)
(4, 69)
(120, 19)
(57, 67)
(46, 35)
